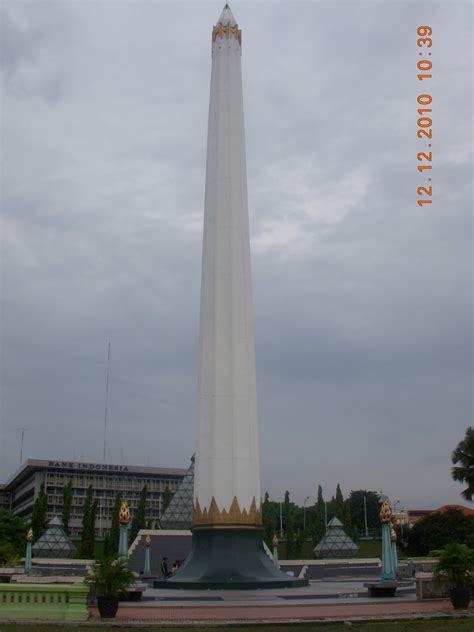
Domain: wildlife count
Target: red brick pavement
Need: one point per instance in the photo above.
(252, 613)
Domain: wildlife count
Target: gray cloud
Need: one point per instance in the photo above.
(363, 300)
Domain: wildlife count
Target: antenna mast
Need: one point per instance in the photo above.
(23, 429)
(106, 402)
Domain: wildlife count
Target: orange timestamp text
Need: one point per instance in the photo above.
(425, 117)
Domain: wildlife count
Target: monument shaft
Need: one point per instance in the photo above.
(227, 483)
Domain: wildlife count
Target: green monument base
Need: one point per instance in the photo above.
(230, 559)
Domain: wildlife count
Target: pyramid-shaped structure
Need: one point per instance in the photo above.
(54, 542)
(179, 513)
(336, 543)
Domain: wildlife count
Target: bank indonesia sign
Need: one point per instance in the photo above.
(91, 467)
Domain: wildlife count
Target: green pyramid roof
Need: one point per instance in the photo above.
(336, 543)
(54, 542)
(179, 513)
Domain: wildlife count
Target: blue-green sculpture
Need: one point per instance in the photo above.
(275, 551)
(388, 566)
(387, 585)
(147, 566)
(29, 541)
(393, 535)
(124, 519)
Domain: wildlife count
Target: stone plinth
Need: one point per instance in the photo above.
(53, 602)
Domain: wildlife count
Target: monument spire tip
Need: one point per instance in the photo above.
(227, 18)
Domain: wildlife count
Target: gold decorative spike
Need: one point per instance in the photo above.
(275, 540)
(214, 517)
(393, 535)
(29, 535)
(147, 540)
(227, 31)
(385, 512)
(124, 513)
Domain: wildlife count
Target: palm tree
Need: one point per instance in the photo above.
(464, 455)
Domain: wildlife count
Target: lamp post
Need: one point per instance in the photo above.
(399, 520)
(147, 566)
(388, 563)
(124, 519)
(275, 551)
(281, 522)
(393, 538)
(304, 513)
(29, 540)
(365, 518)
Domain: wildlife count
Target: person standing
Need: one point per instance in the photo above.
(164, 567)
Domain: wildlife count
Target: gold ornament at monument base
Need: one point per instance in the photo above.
(124, 513)
(235, 517)
(385, 512)
(393, 535)
(29, 535)
(275, 540)
(147, 540)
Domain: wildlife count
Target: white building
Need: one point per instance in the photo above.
(20, 492)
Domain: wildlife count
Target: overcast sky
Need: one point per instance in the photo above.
(362, 299)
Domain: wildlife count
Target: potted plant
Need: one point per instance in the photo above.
(109, 579)
(456, 568)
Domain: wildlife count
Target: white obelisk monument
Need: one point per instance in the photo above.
(227, 542)
(227, 479)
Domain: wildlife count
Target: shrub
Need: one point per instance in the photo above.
(455, 565)
(8, 554)
(437, 530)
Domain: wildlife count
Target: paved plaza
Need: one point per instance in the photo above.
(320, 601)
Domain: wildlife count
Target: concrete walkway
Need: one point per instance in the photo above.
(320, 601)
(283, 614)
(317, 592)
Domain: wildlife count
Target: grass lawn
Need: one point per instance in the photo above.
(421, 625)
(98, 547)
(370, 548)
(367, 548)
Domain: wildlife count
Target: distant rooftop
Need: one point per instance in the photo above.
(467, 511)
(32, 465)
(417, 514)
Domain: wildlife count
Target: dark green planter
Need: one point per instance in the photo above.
(460, 597)
(107, 607)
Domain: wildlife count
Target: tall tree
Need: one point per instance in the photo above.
(139, 517)
(339, 503)
(88, 524)
(289, 525)
(349, 527)
(12, 531)
(319, 522)
(167, 497)
(115, 526)
(67, 505)
(346, 517)
(320, 499)
(92, 519)
(270, 511)
(358, 510)
(106, 548)
(39, 515)
(463, 460)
